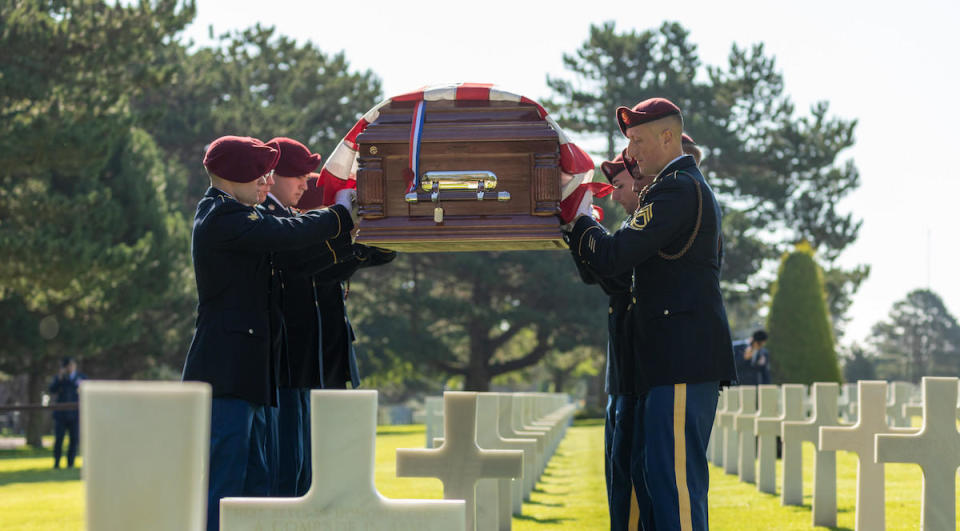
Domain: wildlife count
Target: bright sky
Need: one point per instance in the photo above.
(891, 65)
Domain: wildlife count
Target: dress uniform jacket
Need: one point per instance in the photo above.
(621, 371)
(232, 242)
(339, 356)
(673, 246)
(301, 367)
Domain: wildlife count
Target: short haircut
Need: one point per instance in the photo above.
(759, 335)
(692, 149)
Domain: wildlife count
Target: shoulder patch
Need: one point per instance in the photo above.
(642, 216)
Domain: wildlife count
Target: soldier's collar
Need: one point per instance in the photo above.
(216, 192)
(675, 164)
(278, 205)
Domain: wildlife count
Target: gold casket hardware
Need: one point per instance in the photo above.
(457, 186)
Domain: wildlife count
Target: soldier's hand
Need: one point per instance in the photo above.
(347, 198)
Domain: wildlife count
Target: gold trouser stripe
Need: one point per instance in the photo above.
(680, 454)
(633, 524)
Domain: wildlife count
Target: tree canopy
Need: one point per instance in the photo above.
(919, 338)
(778, 174)
(801, 338)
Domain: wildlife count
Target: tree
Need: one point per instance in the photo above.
(254, 83)
(472, 315)
(920, 338)
(776, 173)
(801, 338)
(90, 243)
(859, 365)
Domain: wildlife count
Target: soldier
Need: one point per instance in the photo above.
(680, 336)
(307, 278)
(622, 458)
(232, 346)
(691, 148)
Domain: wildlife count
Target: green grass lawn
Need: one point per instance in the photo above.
(570, 495)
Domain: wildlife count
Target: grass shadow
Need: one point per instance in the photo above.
(543, 504)
(542, 520)
(25, 452)
(40, 475)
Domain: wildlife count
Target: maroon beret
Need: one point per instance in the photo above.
(295, 158)
(687, 139)
(611, 168)
(240, 159)
(645, 111)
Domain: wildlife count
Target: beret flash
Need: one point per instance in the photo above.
(645, 111)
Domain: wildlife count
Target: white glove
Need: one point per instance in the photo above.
(347, 198)
(585, 209)
(586, 206)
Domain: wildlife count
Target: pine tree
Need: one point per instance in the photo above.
(801, 337)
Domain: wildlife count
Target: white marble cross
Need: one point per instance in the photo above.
(146, 447)
(508, 493)
(507, 430)
(770, 428)
(459, 463)
(936, 448)
(716, 434)
(767, 427)
(730, 440)
(848, 402)
(433, 413)
(899, 396)
(744, 423)
(859, 439)
(824, 398)
(342, 494)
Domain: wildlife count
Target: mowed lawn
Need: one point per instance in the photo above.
(570, 495)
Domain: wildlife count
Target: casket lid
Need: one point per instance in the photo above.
(460, 121)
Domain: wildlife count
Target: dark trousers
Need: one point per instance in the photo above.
(238, 467)
(272, 448)
(65, 424)
(306, 476)
(677, 420)
(627, 498)
(293, 425)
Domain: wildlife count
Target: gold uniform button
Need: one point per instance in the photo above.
(666, 312)
(634, 300)
(611, 309)
(250, 331)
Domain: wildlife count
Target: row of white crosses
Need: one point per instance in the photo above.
(170, 422)
(873, 438)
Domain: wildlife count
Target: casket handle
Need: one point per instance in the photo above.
(457, 186)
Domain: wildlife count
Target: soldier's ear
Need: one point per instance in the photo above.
(666, 137)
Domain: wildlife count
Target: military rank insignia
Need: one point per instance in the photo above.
(253, 216)
(642, 216)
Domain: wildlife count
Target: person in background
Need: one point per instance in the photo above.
(63, 390)
(747, 352)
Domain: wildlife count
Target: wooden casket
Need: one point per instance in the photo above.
(487, 178)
